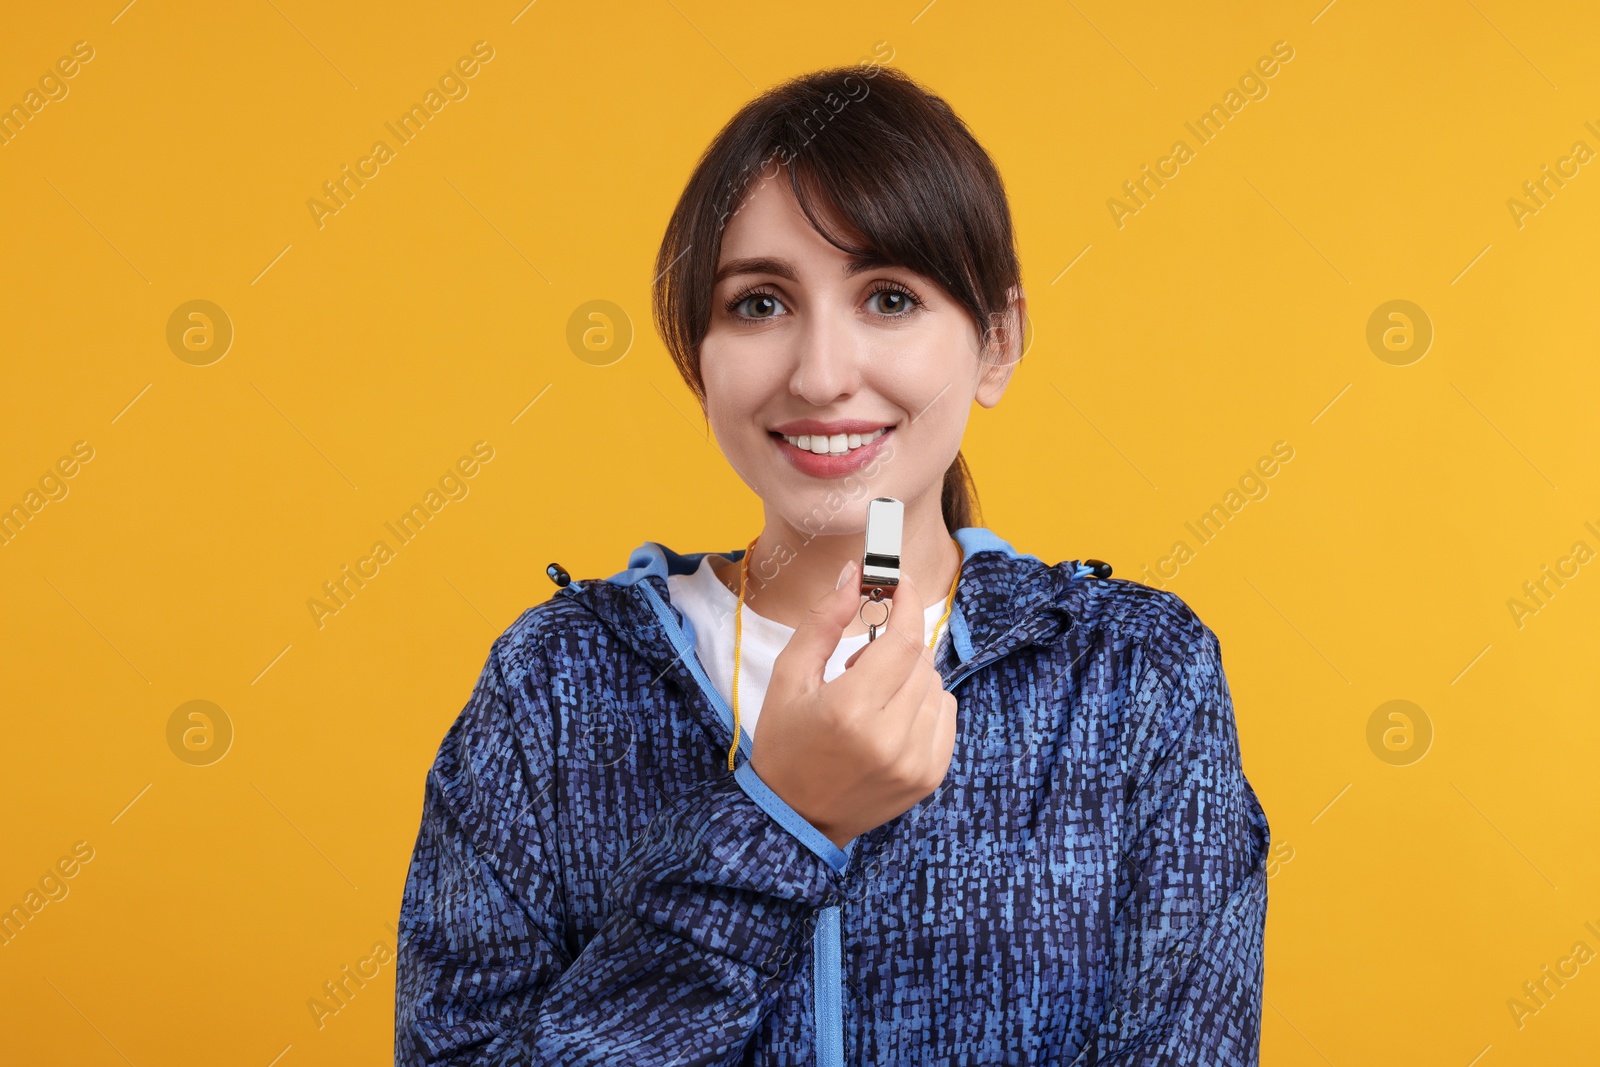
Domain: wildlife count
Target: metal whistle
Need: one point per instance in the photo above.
(880, 557)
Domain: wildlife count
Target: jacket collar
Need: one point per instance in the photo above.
(1005, 600)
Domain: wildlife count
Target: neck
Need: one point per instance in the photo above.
(790, 569)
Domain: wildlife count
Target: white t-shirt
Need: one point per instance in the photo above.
(709, 605)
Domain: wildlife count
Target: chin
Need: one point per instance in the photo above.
(823, 513)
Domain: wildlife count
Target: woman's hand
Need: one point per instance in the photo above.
(851, 754)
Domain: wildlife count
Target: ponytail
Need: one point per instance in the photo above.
(959, 498)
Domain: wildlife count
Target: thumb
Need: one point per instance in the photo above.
(815, 639)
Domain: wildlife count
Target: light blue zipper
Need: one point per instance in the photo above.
(828, 980)
(683, 645)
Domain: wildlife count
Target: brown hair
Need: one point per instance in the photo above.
(900, 173)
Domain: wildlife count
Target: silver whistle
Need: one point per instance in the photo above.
(880, 557)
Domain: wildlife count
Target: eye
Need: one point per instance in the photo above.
(755, 304)
(894, 300)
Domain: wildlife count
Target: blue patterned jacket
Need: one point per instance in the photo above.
(591, 885)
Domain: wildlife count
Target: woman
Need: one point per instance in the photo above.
(1010, 828)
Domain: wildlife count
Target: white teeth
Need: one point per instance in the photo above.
(835, 445)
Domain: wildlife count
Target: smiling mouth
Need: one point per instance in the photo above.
(839, 444)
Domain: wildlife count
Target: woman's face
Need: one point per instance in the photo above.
(810, 352)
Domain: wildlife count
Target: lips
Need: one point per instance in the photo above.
(829, 464)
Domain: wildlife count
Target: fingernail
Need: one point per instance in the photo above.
(844, 573)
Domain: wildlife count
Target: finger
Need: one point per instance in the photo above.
(943, 729)
(913, 707)
(906, 615)
(920, 680)
(920, 741)
(806, 654)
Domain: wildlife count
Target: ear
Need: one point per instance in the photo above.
(1004, 350)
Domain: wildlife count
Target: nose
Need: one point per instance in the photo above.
(827, 360)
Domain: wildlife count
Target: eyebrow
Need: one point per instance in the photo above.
(780, 267)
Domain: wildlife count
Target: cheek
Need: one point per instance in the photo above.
(716, 369)
(938, 370)
(738, 383)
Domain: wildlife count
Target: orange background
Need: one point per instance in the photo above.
(1411, 897)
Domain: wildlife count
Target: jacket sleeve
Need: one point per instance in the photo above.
(706, 912)
(1186, 966)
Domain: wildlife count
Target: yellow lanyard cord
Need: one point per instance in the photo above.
(738, 630)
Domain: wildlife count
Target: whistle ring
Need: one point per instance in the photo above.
(873, 626)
